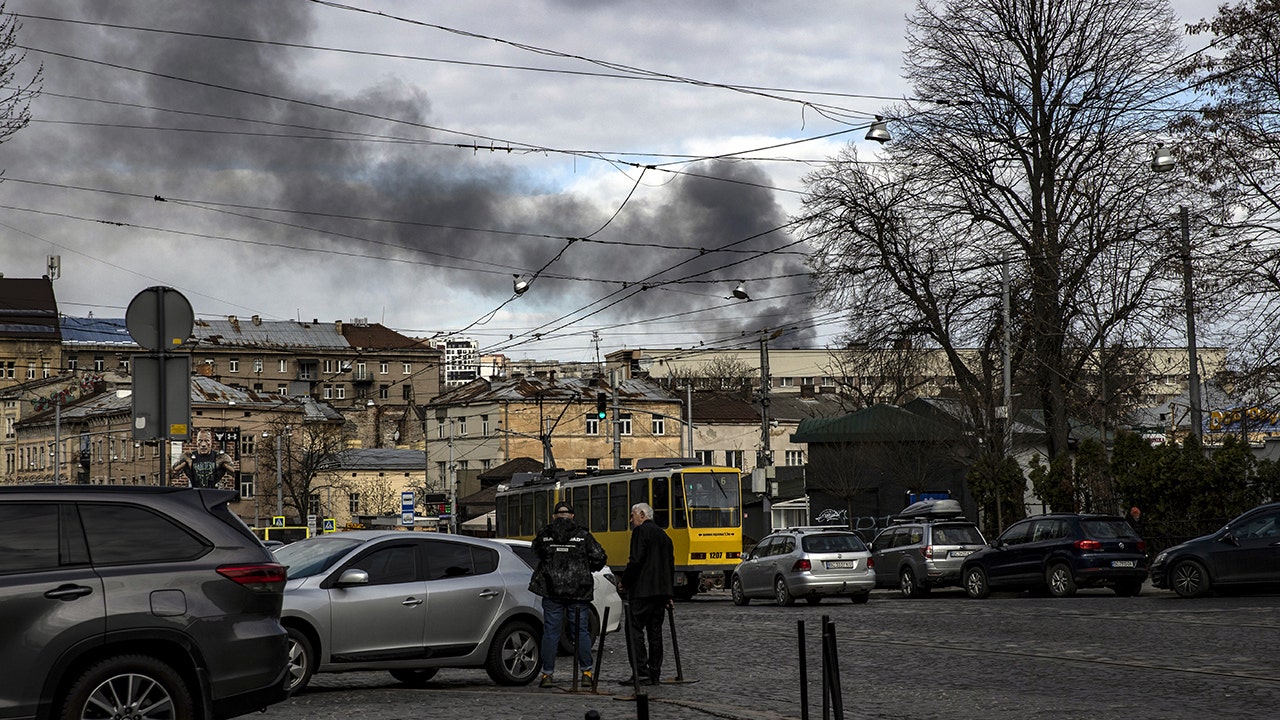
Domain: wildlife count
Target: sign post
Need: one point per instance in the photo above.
(406, 508)
(160, 319)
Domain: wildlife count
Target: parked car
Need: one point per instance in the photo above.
(805, 562)
(606, 592)
(410, 603)
(115, 599)
(1245, 553)
(1059, 553)
(924, 547)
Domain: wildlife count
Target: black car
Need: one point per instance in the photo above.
(135, 601)
(1059, 553)
(1244, 553)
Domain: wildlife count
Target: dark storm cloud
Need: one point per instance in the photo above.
(430, 192)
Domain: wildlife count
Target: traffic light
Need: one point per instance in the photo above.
(602, 406)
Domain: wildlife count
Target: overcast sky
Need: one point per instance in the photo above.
(403, 164)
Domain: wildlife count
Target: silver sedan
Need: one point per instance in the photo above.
(410, 603)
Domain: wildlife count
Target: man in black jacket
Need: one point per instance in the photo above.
(567, 555)
(647, 582)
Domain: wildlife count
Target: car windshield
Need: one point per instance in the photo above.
(832, 543)
(309, 557)
(1107, 529)
(956, 535)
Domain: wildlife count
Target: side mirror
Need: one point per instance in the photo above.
(353, 576)
(1229, 538)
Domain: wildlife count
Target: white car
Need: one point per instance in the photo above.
(606, 594)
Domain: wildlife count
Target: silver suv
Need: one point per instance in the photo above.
(805, 562)
(137, 602)
(925, 547)
(410, 603)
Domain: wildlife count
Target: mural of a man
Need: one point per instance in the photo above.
(207, 467)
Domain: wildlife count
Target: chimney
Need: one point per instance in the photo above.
(337, 326)
(257, 319)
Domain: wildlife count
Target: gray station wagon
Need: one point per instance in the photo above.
(805, 562)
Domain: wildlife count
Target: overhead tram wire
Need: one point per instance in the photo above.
(637, 74)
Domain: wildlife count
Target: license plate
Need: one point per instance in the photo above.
(833, 564)
(1123, 563)
(961, 553)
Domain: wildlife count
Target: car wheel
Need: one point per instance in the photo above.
(513, 655)
(302, 661)
(1189, 579)
(860, 598)
(908, 585)
(739, 595)
(1060, 581)
(129, 686)
(781, 594)
(975, 583)
(1131, 588)
(414, 677)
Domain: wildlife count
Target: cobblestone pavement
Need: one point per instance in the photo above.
(944, 656)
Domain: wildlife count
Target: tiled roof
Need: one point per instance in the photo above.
(28, 309)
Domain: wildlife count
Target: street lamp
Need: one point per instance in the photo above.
(1163, 161)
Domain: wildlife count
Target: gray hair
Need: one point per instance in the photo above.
(643, 509)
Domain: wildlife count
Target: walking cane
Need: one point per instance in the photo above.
(604, 630)
(675, 648)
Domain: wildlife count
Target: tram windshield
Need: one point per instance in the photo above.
(712, 499)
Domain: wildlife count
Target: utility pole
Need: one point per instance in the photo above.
(1193, 377)
(617, 421)
(1008, 383)
(766, 451)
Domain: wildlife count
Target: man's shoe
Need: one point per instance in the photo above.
(632, 680)
(586, 677)
(545, 682)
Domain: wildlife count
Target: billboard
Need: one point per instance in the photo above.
(210, 460)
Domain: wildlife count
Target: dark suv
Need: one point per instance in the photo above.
(925, 547)
(1060, 552)
(135, 601)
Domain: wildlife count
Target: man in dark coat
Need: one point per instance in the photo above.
(567, 555)
(647, 583)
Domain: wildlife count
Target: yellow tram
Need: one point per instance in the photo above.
(699, 507)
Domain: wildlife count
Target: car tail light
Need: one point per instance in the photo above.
(259, 577)
(927, 551)
(871, 563)
(1142, 546)
(1088, 545)
(802, 565)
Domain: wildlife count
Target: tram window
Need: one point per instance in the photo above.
(660, 502)
(526, 514)
(619, 508)
(579, 499)
(599, 508)
(640, 491)
(540, 517)
(677, 502)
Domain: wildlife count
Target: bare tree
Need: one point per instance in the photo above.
(17, 90)
(309, 454)
(891, 373)
(1026, 149)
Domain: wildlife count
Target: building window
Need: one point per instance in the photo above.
(406, 392)
(462, 426)
(384, 367)
(593, 463)
(786, 382)
(624, 425)
(442, 473)
(124, 366)
(484, 426)
(233, 365)
(828, 381)
(384, 392)
(71, 363)
(284, 366)
(659, 426)
(31, 371)
(328, 392)
(99, 363)
(9, 369)
(704, 457)
(257, 365)
(282, 389)
(8, 427)
(340, 391)
(246, 485)
(248, 444)
(353, 503)
(733, 458)
(485, 465)
(593, 424)
(328, 367)
(795, 458)
(408, 368)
